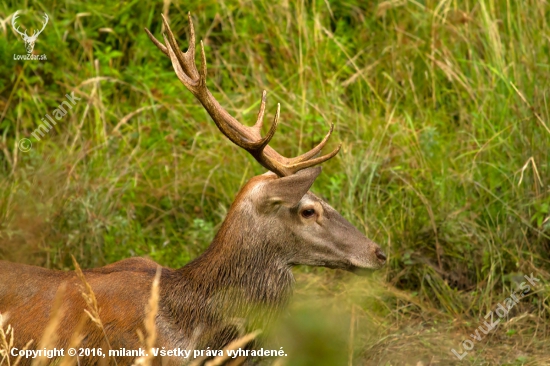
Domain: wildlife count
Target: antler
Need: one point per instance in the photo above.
(46, 18)
(249, 138)
(13, 19)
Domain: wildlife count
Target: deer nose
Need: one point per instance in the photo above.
(380, 254)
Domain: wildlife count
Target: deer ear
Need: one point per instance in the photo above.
(289, 190)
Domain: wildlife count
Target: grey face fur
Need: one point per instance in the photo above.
(310, 231)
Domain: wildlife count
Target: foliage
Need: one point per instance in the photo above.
(441, 108)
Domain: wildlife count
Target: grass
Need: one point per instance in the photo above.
(442, 111)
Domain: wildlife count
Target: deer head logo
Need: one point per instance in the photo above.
(29, 40)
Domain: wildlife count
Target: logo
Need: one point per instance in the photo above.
(25, 144)
(29, 40)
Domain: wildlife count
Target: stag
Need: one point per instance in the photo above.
(29, 40)
(240, 283)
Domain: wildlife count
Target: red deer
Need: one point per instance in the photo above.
(244, 276)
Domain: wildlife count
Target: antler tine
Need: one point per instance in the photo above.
(192, 41)
(203, 65)
(248, 138)
(182, 75)
(311, 153)
(260, 120)
(294, 167)
(159, 45)
(263, 142)
(187, 59)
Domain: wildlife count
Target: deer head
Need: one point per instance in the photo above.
(243, 278)
(29, 40)
(307, 229)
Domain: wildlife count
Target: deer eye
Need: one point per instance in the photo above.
(308, 213)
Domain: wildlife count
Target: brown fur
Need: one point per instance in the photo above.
(122, 290)
(238, 285)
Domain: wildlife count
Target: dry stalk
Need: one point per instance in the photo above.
(88, 295)
(6, 343)
(74, 342)
(49, 338)
(236, 344)
(150, 325)
(91, 301)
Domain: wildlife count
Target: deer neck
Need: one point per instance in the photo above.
(241, 277)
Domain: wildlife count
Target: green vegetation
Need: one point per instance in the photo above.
(442, 109)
